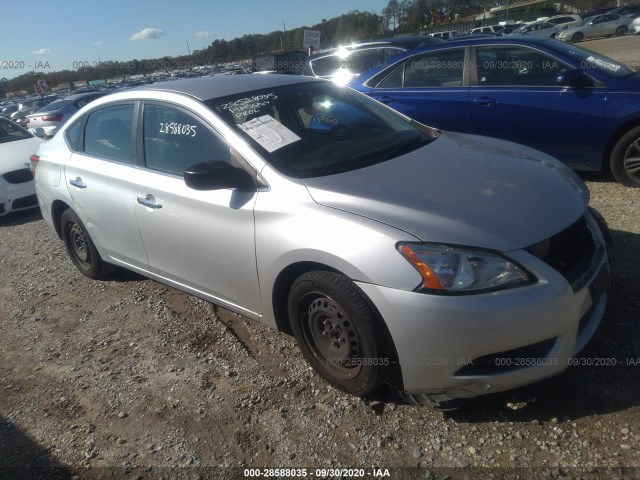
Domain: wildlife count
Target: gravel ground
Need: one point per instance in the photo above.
(127, 378)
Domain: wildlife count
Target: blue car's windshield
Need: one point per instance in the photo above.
(318, 128)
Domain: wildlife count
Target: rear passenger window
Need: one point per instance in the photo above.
(175, 140)
(108, 133)
(502, 66)
(434, 69)
(72, 134)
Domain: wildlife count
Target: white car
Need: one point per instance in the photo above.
(537, 29)
(605, 25)
(487, 29)
(564, 21)
(635, 26)
(17, 189)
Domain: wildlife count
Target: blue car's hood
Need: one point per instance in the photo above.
(464, 190)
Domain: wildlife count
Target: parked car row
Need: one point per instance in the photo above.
(616, 21)
(605, 25)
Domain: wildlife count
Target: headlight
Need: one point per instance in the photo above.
(454, 270)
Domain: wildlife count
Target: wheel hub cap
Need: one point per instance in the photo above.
(332, 336)
(79, 243)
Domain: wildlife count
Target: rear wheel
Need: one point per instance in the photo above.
(577, 37)
(338, 331)
(625, 159)
(622, 30)
(80, 247)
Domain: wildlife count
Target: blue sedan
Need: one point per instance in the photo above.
(573, 104)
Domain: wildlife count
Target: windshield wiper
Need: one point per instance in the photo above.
(408, 146)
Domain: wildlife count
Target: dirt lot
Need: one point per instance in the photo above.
(128, 378)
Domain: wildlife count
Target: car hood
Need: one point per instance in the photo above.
(464, 190)
(15, 155)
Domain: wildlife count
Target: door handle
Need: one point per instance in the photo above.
(386, 99)
(484, 101)
(78, 183)
(149, 201)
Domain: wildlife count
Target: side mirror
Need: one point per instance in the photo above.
(575, 79)
(40, 133)
(218, 175)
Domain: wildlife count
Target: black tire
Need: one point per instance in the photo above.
(622, 30)
(577, 37)
(625, 159)
(338, 331)
(80, 247)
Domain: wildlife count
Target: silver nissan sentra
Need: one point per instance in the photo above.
(445, 265)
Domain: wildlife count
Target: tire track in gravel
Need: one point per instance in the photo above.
(177, 302)
(241, 333)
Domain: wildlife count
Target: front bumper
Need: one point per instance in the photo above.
(463, 346)
(16, 193)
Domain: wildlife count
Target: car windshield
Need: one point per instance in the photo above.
(10, 132)
(318, 128)
(594, 61)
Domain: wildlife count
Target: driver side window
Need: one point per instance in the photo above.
(175, 140)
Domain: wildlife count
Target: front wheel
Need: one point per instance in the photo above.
(577, 37)
(338, 331)
(81, 248)
(625, 159)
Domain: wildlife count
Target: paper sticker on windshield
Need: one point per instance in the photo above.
(593, 62)
(269, 133)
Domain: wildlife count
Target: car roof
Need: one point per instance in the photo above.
(206, 88)
(404, 41)
(525, 39)
(78, 96)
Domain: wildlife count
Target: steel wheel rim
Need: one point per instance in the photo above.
(331, 336)
(78, 242)
(631, 160)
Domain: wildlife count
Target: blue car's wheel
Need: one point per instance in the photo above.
(625, 159)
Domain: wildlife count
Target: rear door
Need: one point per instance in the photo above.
(101, 177)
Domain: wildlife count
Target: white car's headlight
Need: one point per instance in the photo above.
(454, 270)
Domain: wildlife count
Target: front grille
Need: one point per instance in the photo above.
(572, 252)
(534, 355)
(18, 176)
(28, 201)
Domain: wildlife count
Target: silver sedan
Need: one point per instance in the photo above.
(445, 265)
(51, 117)
(605, 25)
